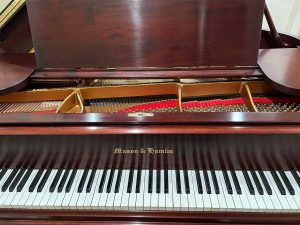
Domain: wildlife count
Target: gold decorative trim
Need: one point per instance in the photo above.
(11, 10)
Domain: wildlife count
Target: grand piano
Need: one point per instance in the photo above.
(149, 112)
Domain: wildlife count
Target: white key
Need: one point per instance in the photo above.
(162, 195)
(296, 188)
(251, 198)
(289, 197)
(206, 197)
(111, 196)
(267, 199)
(169, 195)
(176, 196)
(235, 196)
(3, 195)
(40, 195)
(12, 195)
(147, 196)
(183, 196)
(243, 198)
(68, 195)
(60, 196)
(54, 195)
(94, 191)
(118, 196)
(221, 196)
(103, 196)
(139, 204)
(191, 196)
(259, 199)
(228, 197)
(33, 194)
(277, 197)
(96, 197)
(132, 195)
(154, 195)
(213, 197)
(82, 195)
(21, 197)
(198, 197)
(75, 195)
(125, 195)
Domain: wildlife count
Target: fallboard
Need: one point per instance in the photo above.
(152, 151)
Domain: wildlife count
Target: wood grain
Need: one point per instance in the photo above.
(15, 71)
(141, 33)
(282, 69)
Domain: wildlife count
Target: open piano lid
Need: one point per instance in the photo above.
(139, 34)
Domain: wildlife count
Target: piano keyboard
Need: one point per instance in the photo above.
(144, 190)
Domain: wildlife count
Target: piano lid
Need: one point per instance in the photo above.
(142, 33)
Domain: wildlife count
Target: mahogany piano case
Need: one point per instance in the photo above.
(151, 112)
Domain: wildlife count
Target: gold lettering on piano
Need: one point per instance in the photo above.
(143, 151)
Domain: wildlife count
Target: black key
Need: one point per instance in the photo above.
(102, 181)
(236, 182)
(186, 182)
(90, 182)
(249, 184)
(63, 181)
(227, 182)
(178, 182)
(55, 180)
(130, 181)
(71, 180)
(215, 181)
(287, 182)
(44, 180)
(138, 181)
(24, 180)
(199, 183)
(82, 181)
(36, 180)
(296, 177)
(150, 182)
(16, 180)
(110, 181)
(118, 181)
(265, 182)
(166, 182)
(2, 173)
(278, 183)
(9, 179)
(206, 180)
(158, 173)
(257, 183)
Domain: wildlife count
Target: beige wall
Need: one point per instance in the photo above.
(286, 15)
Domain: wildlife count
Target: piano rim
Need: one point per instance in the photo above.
(147, 216)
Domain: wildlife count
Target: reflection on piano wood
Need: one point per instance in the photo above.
(14, 27)
(229, 173)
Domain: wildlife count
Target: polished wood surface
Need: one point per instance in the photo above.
(175, 73)
(15, 71)
(267, 41)
(282, 69)
(140, 33)
(276, 151)
(15, 36)
(155, 217)
(210, 118)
